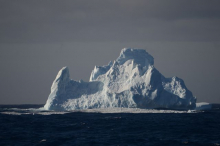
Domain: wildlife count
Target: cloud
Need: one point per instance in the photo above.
(109, 20)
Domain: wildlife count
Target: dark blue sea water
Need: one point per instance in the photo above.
(201, 128)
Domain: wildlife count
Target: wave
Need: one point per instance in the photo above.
(42, 111)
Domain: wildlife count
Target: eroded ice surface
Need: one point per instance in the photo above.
(131, 81)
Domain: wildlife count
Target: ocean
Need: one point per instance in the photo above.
(19, 125)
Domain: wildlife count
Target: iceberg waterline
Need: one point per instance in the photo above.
(131, 81)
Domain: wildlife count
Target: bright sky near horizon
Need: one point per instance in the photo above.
(38, 38)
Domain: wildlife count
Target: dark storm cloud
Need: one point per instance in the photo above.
(109, 20)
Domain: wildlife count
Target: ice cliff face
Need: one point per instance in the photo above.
(130, 81)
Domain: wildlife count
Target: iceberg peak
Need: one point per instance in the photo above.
(139, 56)
(63, 74)
(62, 78)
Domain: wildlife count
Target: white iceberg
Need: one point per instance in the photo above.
(131, 81)
(203, 106)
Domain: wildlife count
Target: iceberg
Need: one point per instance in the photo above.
(131, 81)
(201, 106)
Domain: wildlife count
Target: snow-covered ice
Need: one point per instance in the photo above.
(131, 81)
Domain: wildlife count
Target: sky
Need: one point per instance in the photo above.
(38, 38)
